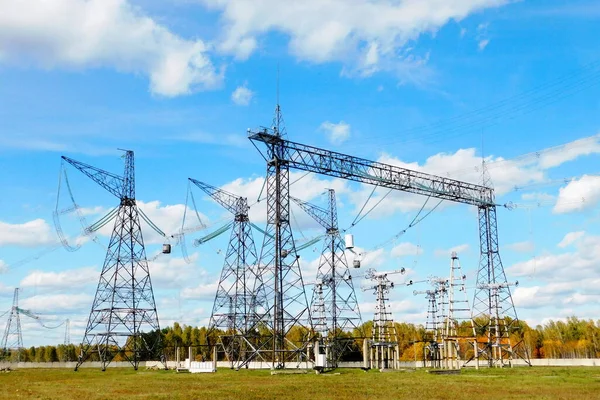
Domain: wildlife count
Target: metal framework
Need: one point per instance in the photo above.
(433, 333)
(240, 292)
(13, 336)
(334, 306)
(384, 339)
(287, 306)
(280, 151)
(124, 304)
(458, 311)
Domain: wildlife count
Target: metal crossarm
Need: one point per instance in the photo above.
(327, 162)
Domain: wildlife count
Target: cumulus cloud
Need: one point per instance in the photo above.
(406, 249)
(579, 195)
(242, 96)
(29, 234)
(571, 238)
(366, 36)
(336, 133)
(57, 303)
(74, 34)
(70, 279)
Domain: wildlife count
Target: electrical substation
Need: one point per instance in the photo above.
(261, 313)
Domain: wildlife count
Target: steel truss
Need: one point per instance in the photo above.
(287, 321)
(280, 151)
(335, 309)
(123, 319)
(13, 336)
(240, 295)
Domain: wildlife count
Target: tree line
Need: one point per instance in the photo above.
(573, 338)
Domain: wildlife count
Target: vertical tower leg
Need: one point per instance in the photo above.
(493, 311)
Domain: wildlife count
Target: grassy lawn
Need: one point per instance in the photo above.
(518, 383)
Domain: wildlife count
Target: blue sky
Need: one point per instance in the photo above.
(180, 81)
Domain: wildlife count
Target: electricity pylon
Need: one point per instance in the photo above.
(124, 304)
(335, 289)
(13, 336)
(288, 307)
(384, 339)
(240, 292)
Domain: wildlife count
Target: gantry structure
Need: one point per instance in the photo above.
(240, 294)
(334, 305)
(282, 155)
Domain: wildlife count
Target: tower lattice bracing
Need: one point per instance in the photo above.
(491, 272)
(13, 336)
(493, 308)
(335, 288)
(240, 292)
(383, 346)
(124, 307)
(287, 307)
(433, 333)
(459, 313)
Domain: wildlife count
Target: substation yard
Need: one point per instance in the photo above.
(517, 383)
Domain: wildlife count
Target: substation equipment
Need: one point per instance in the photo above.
(381, 350)
(493, 308)
(334, 307)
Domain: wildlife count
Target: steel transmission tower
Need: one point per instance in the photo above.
(493, 308)
(280, 270)
(13, 336)
(240, 292)
(124, 305)
(335, 289)
(67, 332)
(326, 162)
(458, 311)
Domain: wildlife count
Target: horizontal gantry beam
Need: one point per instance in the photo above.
(331, 163)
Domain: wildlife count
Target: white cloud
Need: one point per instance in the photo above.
(3, 267)
(406, 249)
(521, 247)
(579, 195)
(174, 272)
(29, 234)
(242, 96)
(74, 34)
(57, 303)
(571, 238)
(367, 36)
(483, 44)
(463, 248)
(336, 133)
(69, 279)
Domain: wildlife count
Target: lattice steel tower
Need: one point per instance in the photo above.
(13, 336)
(124, 305)
(240, 292)
(336, 287)
(493, 307)
(280, 270)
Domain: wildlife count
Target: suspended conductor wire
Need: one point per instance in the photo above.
(371, 209)
(362, 208)
(5, 313)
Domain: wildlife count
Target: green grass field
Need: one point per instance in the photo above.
(517, 383)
